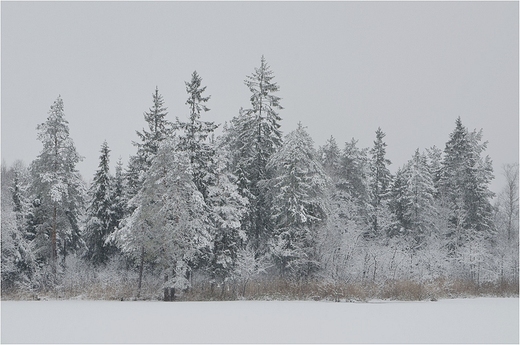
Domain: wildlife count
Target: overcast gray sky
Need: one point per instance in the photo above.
(344, 68)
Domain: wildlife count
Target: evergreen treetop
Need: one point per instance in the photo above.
(464, 182)
(99, 224)
(194, 135)
(57, 188)
(381, 177)
(159, 129)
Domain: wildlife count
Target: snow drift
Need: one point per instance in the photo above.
(480, 320)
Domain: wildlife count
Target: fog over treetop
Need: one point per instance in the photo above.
(344, 69)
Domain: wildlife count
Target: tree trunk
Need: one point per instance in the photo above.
(245, 286)
(172, 290)
(54, 251)
(140, 273)
(478, 274)
(166, 289)
(64, 253)
(502, 269)
(223, 291)
(375, 269)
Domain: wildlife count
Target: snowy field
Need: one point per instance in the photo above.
(480, 320)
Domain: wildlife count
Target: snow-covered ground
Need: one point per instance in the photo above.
(479, 320)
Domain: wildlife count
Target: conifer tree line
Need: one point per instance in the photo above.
(252, 203)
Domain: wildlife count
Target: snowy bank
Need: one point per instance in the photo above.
(478, 320)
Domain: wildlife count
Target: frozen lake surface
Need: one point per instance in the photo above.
(476, 320)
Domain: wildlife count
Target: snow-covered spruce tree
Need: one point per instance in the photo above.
(170, 222)
(350, 192)
(133, 178)
(296, 190)
(57, 189)
(336, 167)
(18, 263)
(227, 209)
(441, 206)
(400, 201)
(482, 211)
(159, 129)
(258, 136)
(117, 189)
(380, 182)
(226, 142)
(412, 198)
(381, 178)
(463, 184)
(195, 134)
(19, 188)
(231, 141)
(100, 213)
(330, 157)
(355, 171)
(19, 179)
(420, 191)
(434, 159)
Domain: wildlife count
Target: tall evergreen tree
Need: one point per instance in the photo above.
(118, 197)
(258, 137)
(380, 181)
(380, 175)
(158, 129)
(434, 155)
(412, 198)
(297, 193)
(480, 196)
(194, 138)
(350, 193)
(57, 188)
(133, 177)
(463, 183)
(355, 169)
(400, 201)
(419, 193)
(170, 222)
(20, 189)
(238, 151)
(227, 209)
(100, 213)
(18, 264)
(330, 155)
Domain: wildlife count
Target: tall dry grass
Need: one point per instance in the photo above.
(403, 290)
(117, 282)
